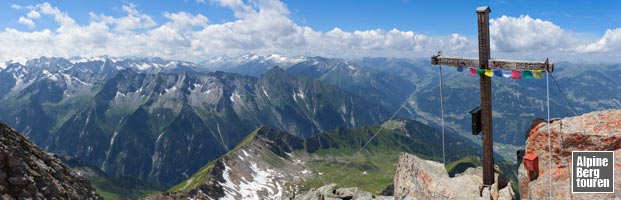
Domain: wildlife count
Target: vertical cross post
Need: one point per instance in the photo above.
(486, 97)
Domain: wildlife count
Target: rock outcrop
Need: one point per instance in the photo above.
(27, 172)
(597, 131)
(423, 179)
(330, 191)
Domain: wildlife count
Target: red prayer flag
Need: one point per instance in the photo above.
(515, 74)
(473, 71)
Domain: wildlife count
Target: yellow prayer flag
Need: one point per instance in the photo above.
(537, 74)
(489, 72)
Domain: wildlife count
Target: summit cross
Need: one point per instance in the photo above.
(484, 62)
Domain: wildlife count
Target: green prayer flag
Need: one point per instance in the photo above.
(527, 74)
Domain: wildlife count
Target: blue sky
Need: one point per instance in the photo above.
(196, 29)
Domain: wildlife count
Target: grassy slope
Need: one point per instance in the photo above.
(120, 189)
(332, 155)
(200, 176)
(368, 171)
(374, 168)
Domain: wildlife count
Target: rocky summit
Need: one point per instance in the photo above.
(27, 172)
(417, 178)
(596, 131)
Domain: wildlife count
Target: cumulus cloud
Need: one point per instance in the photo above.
(262, 26)
(25, 21)
(184, 20)
(62, 18)
(33, 14)
(134, 19)
(610, 42)
(457, 42)
(514, 34)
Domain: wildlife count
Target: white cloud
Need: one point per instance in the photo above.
(25, 21)
(33, 14)
(523, 34)
(264, 27)
(134, 19)
(16, 7)
(239, 8)
(610, 42)
(457, 42)
(200, 1)
(62, 18)
(183, 20)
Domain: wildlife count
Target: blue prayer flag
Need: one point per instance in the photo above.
(498, 72)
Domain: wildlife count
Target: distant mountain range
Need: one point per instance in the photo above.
(388, 81)
(161, 120)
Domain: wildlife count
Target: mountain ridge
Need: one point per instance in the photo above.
(296, 163)
(130, 124)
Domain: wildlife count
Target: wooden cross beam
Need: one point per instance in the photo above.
(484, 62)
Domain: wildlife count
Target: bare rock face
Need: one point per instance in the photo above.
(27, 172)
(423, 179)
(596, 131)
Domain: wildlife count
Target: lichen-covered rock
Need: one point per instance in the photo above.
(597, 131)
(423, 179)
(27, 172)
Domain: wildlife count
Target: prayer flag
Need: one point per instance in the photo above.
(498, 72)
(460, 69)
(538, 74)
(527, 74)
(489, 72)
(506, 73)
(481, 72)
(515, 74)
(473, 71)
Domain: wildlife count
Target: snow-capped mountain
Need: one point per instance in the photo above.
(250, 64)
(80, 72)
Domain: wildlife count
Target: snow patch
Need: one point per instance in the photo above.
(143, 66)
(119, 94)
(19, 82)
(235, 96)
(350, 66)
(159, 137)
(245, 153)
(265, 92)
(263, 181)
(300, 94)
(172, 89)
